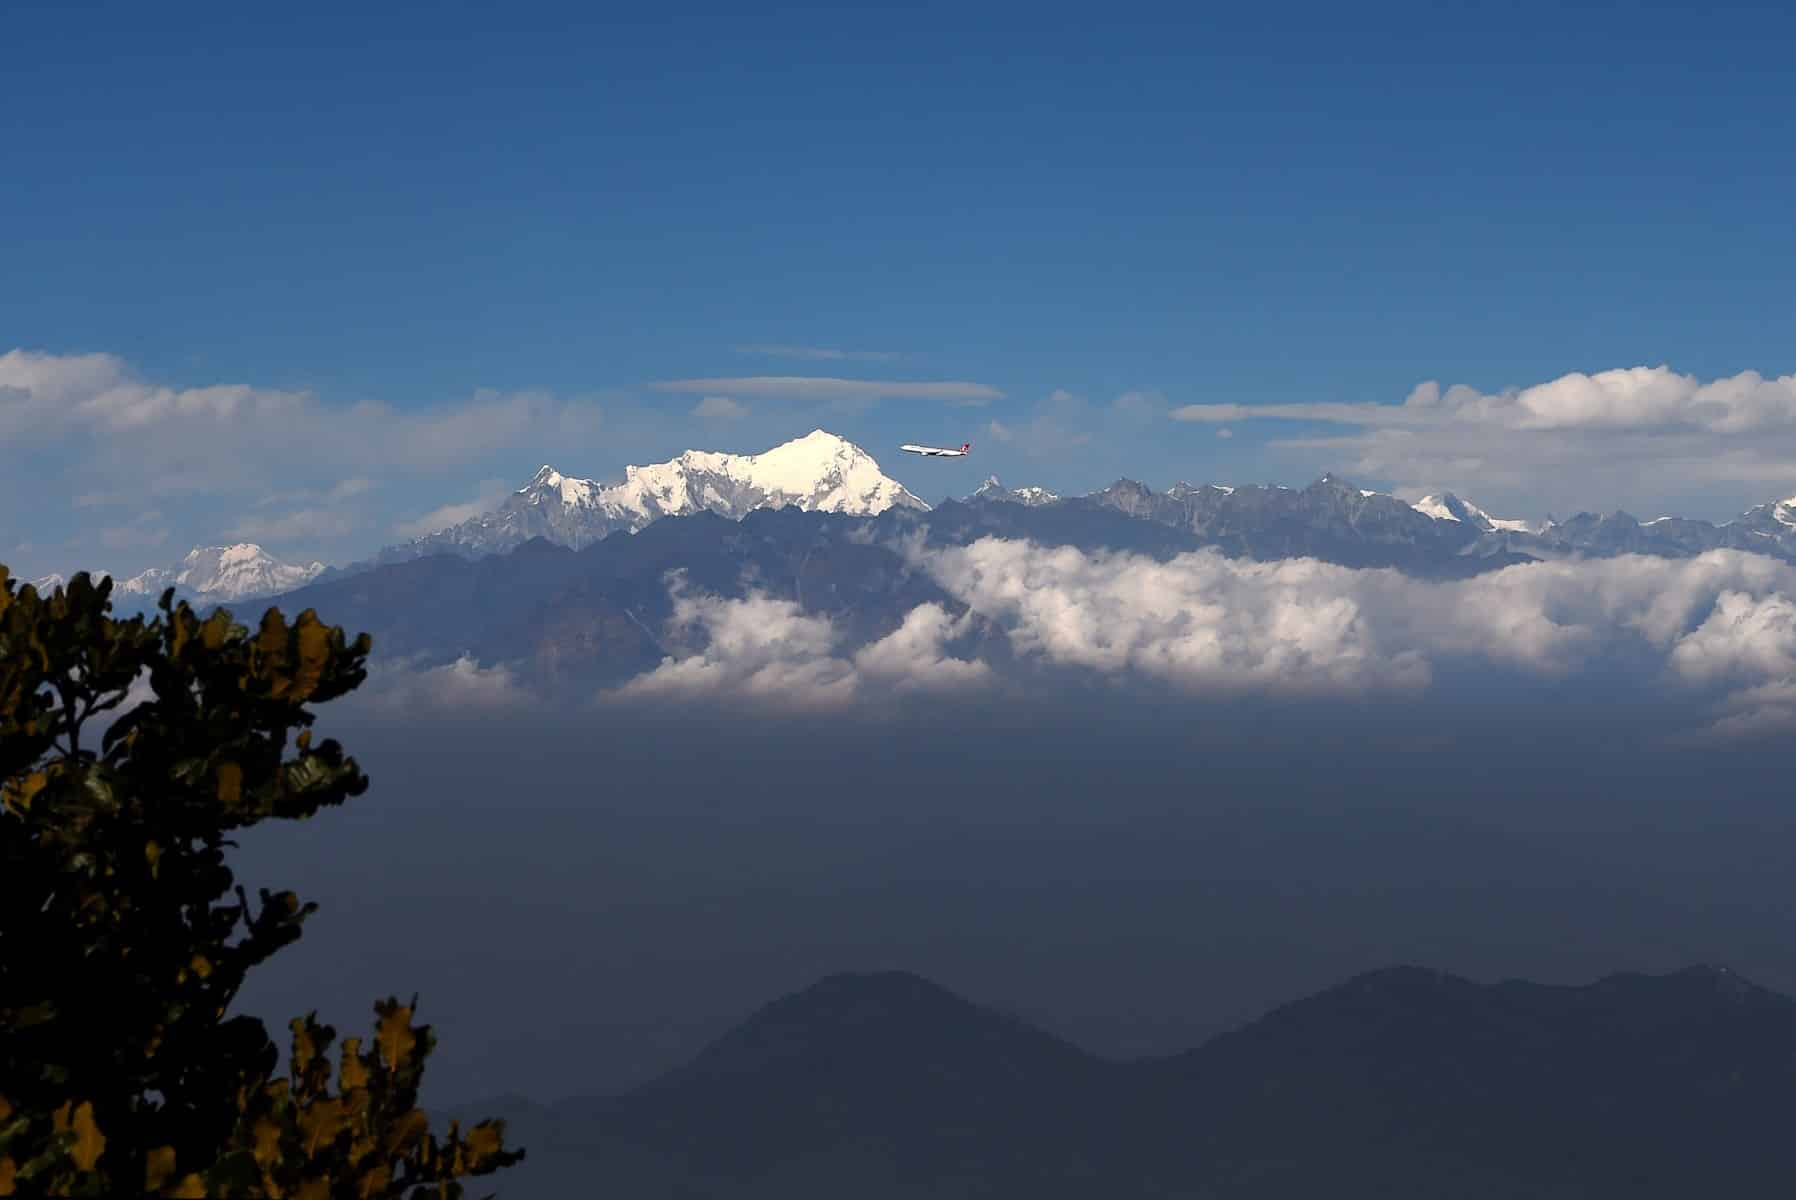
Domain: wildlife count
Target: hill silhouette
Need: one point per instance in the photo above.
(1401, 1081)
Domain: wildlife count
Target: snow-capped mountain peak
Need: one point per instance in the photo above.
(550, 485)
(819, 472)
(993, 489)
(223, 574)
(1448, 507)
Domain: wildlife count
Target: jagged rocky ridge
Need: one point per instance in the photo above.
(1339, 522)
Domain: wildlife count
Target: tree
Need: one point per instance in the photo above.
(124, 937)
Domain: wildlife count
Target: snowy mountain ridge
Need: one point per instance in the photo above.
(222, 573)
(206, 575)
(819, 472)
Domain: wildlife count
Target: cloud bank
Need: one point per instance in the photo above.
(1635, 435)
(88, 435)
(1717, 632)
(769, 654)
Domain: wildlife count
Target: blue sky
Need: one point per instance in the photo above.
(441, 214)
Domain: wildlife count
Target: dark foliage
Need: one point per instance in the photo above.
(124, 937)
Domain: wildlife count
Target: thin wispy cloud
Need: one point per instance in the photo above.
(304, 524)
(308, 471)
(720, 408)
(1582, 440)
(825, 388)
(488, 496)
(818, 353)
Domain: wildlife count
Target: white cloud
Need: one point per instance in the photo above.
(216, 459)
(819, 388)
(719, 408)
(170, 441)
(768, 654)
(300, 524)
(460, 688)
(1629, 436)
(1064, 422)
(1745, 638)
(818, 353)
(762, 651)
(914, 657)
(349, 489)
(143, 532)
(1214, 625)
(1625, 398)
(488, 497)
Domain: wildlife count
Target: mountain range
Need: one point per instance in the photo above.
(1399, 1082)
(1440, 535)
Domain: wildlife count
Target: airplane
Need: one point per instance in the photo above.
(938, 451)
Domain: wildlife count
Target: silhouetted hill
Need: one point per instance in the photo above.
(1401, 1082)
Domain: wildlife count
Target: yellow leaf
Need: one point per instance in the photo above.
(90, 1143)
(151, 853)
(191, 1187)
(201, 965)
(354, 1072)
(375, 1181)
(406, 1130)
(313, 1189)
(5, 1105)
(230, 783)
(8, 1169)
(19, 792)
(321, 1123)
(213, 631)
(303, 1049)
(483, 1140)
(268, 1142)
(396, 1037)
(313, 636)
(158, 1165)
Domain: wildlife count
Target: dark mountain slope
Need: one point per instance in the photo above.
(1403, 1082)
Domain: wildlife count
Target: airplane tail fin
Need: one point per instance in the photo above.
(965, 446)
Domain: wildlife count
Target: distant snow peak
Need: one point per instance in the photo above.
(545, 477)
(1448, 507)
(819, 472)
(1031, 496)
(1436, 507)
(550, 486)
(223, 574)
